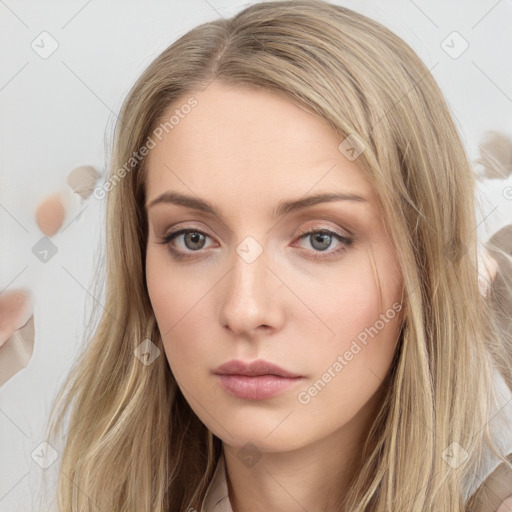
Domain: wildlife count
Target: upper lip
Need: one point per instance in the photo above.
(252, 369)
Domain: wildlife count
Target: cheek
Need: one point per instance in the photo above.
(349, 368)
(359, 306)
(344, 299)
(178, 302)
(172, 293)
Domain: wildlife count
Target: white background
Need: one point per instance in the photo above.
(59, 112)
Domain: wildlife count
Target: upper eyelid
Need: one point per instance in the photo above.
(303, 231)
(340, 231)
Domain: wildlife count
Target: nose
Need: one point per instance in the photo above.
(251, 299)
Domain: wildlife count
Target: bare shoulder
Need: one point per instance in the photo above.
(495, 492)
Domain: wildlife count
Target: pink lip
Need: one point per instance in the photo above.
(257, 380)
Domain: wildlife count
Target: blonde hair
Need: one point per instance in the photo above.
(134, 443)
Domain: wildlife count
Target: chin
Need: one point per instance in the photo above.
(263, 438)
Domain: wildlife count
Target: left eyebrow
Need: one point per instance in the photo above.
(285, 207)
(282, 208)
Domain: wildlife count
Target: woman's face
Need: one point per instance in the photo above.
(245, 282)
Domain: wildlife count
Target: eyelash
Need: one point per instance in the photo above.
(317, 255)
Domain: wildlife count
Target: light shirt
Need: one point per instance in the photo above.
(216, 498)
(501, 431)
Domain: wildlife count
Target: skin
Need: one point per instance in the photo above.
(245, 150)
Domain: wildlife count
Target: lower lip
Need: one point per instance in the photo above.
(256, 388)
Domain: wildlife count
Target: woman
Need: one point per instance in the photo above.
(293, 317)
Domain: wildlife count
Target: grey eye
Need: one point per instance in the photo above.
(194, 240)
(320, 241)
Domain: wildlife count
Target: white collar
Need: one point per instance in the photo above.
(501, 431)
(216, 498)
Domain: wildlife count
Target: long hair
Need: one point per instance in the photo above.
(133, 443)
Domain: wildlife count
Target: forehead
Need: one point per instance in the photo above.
(245, 143)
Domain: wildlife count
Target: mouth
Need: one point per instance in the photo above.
(258, 380)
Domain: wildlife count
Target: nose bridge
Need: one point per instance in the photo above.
(249, 274)
(250, 296)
